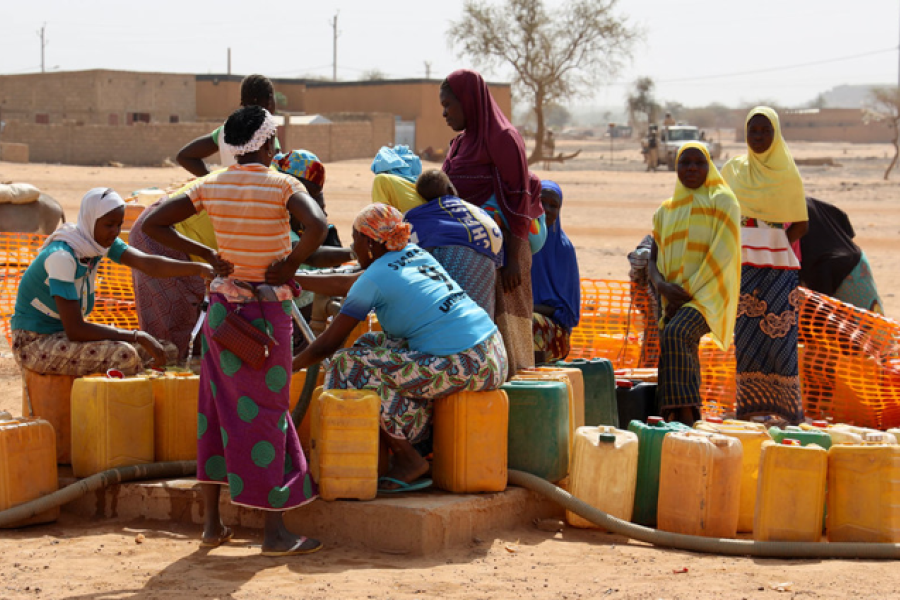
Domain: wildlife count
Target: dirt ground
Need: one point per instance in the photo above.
(608, 204)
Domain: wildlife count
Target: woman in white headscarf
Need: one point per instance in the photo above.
(56, 294)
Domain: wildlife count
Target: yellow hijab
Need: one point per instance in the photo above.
(698, 236)
(767, 185)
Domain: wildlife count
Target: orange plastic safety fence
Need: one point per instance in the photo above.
(113, 301)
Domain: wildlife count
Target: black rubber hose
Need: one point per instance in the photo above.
(697, 543)
(309, 386)
(160, 470)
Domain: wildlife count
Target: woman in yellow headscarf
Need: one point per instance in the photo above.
(695, 267)
(773, 216)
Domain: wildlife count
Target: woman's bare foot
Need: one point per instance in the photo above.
(407, 465)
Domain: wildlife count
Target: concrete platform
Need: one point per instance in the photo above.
(419, 523)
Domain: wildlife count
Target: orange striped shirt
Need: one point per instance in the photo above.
(247, 205)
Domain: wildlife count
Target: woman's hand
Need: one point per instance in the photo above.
(220, 266)
(511, 276)
(675, 295)
(153, 348)
(281, 271)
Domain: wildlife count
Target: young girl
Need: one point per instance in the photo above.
(50, 334)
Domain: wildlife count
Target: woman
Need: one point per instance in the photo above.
(256, 90)
(50, 334)
(695, 266)
(773, 216)
(555, 283)
(487, 165)
(170, 308)
(257, 454)
(832, 263)
(462, 237)
(435, 340)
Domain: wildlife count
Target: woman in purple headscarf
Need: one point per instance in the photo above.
(487, 164)
(556, 284)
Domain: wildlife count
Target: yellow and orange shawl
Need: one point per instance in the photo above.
(698, 236)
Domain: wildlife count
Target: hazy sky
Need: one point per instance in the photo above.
(698, 51)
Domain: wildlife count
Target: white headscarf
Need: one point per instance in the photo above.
(80, 237)
(267, 129)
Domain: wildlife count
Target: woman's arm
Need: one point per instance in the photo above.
(158, 225)
(797, 230)
(543, 309)
(511, 272)
(331, 284)
(326, 344)
(305, 210)
(675, 295)
(79, 330)
(191, 156)
(161, 266)
(329, 256)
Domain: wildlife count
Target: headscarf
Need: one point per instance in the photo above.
(699, 240)
(302, 164)
(555, 280)
(489, 159)
(767, 185)
(451, 221)
(399, 160)
(266, 130)
(80, 237)
(383, 224)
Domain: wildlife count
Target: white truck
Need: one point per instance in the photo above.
(673, 137)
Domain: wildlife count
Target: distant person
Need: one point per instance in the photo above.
(695, 266)
(488, 165)
(256, 90)
(773, 216)
(549, 149)
(652, 155)
(462, 237)
(830, 261)
(555, 283)
(668, 121)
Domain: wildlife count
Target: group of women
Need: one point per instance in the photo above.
(227, 236)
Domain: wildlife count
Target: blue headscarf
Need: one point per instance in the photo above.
(399, 160)
(554, 271)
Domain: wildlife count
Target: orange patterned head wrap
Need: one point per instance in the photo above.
(383, 224)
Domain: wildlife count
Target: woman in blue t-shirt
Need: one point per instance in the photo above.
(56, 293)
(435, 341)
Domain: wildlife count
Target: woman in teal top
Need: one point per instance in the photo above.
(56, 293)
(435, 341)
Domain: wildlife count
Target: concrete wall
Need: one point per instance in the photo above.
(97, 97)
(149, 145)
(824, 125)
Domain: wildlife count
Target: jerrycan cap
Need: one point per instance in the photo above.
(790, 442)
(715, 420)
(820, 423)
(115, 374)
(654, 420)
(607, 438)
(625, 384)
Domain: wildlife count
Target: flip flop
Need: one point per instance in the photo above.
(294, 550)
(226, 536)
(403, 487)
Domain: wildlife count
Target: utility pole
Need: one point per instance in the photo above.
(427, 69)
(334, 46)
(44, 43)
(229, 61)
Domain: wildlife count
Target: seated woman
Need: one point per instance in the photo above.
(396, 169)
(428, 322)
(555, 284)
(462, 237)
(695, 265)
(832, 263)
(50, 334)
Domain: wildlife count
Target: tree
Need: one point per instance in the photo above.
(554, 56)
(885, 106)
(641, 100)
(373, 75)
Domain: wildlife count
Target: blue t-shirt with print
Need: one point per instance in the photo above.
(416, 300)
(57, 272)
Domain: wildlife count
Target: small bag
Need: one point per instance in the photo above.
(247, 342)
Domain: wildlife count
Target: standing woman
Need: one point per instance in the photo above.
(556, 283)
(487, 165)
(773, 216)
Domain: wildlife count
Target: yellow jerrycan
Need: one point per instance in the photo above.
(344, 427)
(175, 396)
(27, 466)
(604, 471)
